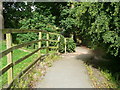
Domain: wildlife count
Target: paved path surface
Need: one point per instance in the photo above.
(67, 73)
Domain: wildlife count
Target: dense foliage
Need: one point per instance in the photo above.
(97, 24)
(70, 45)
(13, 12)
(41, 16)
(101, 24)
(37, 21)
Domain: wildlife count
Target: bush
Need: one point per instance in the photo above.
(42, 22)
(96, 23)
(70, 45)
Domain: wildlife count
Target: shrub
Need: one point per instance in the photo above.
(70, 45)
(42, 22)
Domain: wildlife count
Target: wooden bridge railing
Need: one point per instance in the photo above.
(10, 48)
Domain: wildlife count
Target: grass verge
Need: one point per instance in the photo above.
(19, 67)
(103, 78)
(35, 73)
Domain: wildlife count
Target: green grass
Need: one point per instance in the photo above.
(19, 67)
(111, 71)
(43, 51)
(110, 77)
(31, 77)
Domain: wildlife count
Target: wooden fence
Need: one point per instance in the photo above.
(10, 48)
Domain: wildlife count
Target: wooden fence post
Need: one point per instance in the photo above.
(47, 44)
(39, 43)
(65, 44)
(58, 44)
(9, 57)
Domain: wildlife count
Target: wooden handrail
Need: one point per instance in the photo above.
(54, 33)
(2, 71)
(25, 57)
(10, 49)
(5, 52)
(26, 69)
(4, 31)
(53, 47)
(53, 40)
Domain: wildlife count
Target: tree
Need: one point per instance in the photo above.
(15, 11)
(96, 23)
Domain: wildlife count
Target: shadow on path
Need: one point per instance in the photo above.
(98, 62)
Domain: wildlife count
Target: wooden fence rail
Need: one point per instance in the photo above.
(5, 52)
(10, 49)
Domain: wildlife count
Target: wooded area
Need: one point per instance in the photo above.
(95, 25)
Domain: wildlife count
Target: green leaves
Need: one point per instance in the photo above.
(37, 21)
(69, 44)
(97, 23)
(114, 40)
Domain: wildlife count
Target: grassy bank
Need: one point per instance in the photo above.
(104, 74)
(36, 74)
(19, 67)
